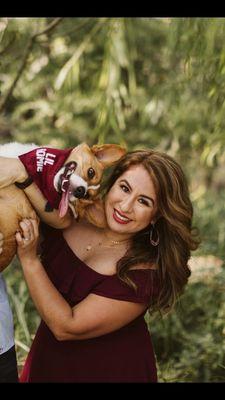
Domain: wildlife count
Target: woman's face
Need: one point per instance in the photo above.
(131, 202)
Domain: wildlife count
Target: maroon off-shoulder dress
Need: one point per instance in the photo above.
(125, 355)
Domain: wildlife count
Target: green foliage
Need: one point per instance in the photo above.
(189, 343)
(142, 82)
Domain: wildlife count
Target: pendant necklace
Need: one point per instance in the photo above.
(114, 242)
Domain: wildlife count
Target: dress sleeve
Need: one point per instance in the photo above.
(113, 287)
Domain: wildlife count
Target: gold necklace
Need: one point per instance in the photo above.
(114, 242)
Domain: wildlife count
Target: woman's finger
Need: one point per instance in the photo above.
(35, 225)
(19, 238)
(1, 242)
(27, 229)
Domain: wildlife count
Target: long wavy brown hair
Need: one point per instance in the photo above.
(174, 226)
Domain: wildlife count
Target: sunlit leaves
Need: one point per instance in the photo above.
(76, 56)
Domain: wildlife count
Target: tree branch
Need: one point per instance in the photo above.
(18, 75)
(28, 50)
(48, 28)
(8, 45)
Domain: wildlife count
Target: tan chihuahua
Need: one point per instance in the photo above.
(80, 183)
(74, 184)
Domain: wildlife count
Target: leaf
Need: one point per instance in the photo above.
(77, 54)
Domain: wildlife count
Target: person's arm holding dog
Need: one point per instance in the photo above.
(13, 170)
(92, 317)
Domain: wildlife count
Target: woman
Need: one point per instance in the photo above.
(92, 286)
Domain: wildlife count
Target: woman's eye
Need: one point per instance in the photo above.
(142, 201)
(124, 188)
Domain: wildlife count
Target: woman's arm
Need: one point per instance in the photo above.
(92, 317)
(13, 170)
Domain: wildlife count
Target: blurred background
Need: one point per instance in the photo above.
(143, 83)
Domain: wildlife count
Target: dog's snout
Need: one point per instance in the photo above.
(79, 192)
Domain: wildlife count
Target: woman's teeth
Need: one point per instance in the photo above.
(120, 217)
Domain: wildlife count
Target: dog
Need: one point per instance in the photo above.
(67, 178)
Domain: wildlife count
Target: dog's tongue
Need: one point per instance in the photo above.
(63, 205)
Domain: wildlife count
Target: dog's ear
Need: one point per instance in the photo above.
(108, 154)
(82, 146)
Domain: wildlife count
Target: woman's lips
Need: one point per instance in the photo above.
(120, 219)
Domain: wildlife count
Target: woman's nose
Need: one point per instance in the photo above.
(126, 205)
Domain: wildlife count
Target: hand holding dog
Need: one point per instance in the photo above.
(27, 242)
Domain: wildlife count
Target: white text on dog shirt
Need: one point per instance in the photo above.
(44, 158)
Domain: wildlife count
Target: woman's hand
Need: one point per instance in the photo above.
(27, 241)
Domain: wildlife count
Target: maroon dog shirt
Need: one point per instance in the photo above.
(42, 164)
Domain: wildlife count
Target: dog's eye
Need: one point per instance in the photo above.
(91, 173)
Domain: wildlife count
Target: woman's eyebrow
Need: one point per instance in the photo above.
(142, 195)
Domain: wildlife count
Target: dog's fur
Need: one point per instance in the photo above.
(15, 206)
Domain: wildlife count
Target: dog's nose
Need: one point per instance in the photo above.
(79, 192)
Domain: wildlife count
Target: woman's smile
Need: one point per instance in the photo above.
(120, 218)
